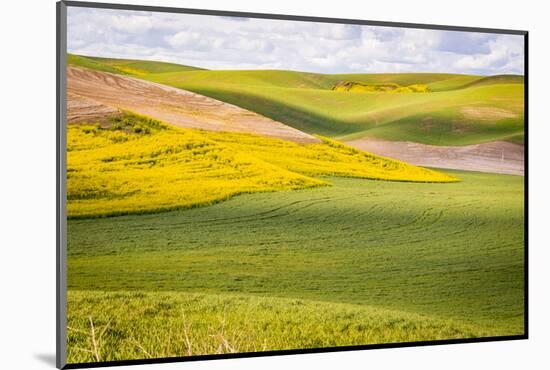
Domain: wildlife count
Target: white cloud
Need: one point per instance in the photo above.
(184, 38)
(340, 31)
(504, 53)
(246, 43)
(132, 24)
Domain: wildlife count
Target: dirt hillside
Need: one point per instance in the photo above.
(497, 156)
(175, 106)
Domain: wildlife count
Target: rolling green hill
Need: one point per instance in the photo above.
(497, 79)
(456, 110)
(130, 67)
(442, 118)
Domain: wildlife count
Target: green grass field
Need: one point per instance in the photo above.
(359, 262)
(457, 110)
(276, 259)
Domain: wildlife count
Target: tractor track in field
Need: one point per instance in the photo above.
(290, 208)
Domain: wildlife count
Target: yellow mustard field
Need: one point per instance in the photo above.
(134, 164)
(377, 88)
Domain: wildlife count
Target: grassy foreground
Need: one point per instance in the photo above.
(454, 110)
(133, 164)
(134, 325)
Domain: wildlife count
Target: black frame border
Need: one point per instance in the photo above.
(61, 35)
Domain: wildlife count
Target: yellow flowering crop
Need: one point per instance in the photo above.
(138, 165)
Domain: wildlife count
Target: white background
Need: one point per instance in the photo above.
(27, 157)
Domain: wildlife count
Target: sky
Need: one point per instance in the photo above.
(215, 42)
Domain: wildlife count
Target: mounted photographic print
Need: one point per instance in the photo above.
(235, 184)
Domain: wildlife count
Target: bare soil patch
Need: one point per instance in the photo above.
(496, 157)
(80, 109)
(487, 113)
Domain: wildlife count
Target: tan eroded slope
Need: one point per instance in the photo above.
(496, 157)
(175, 106)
